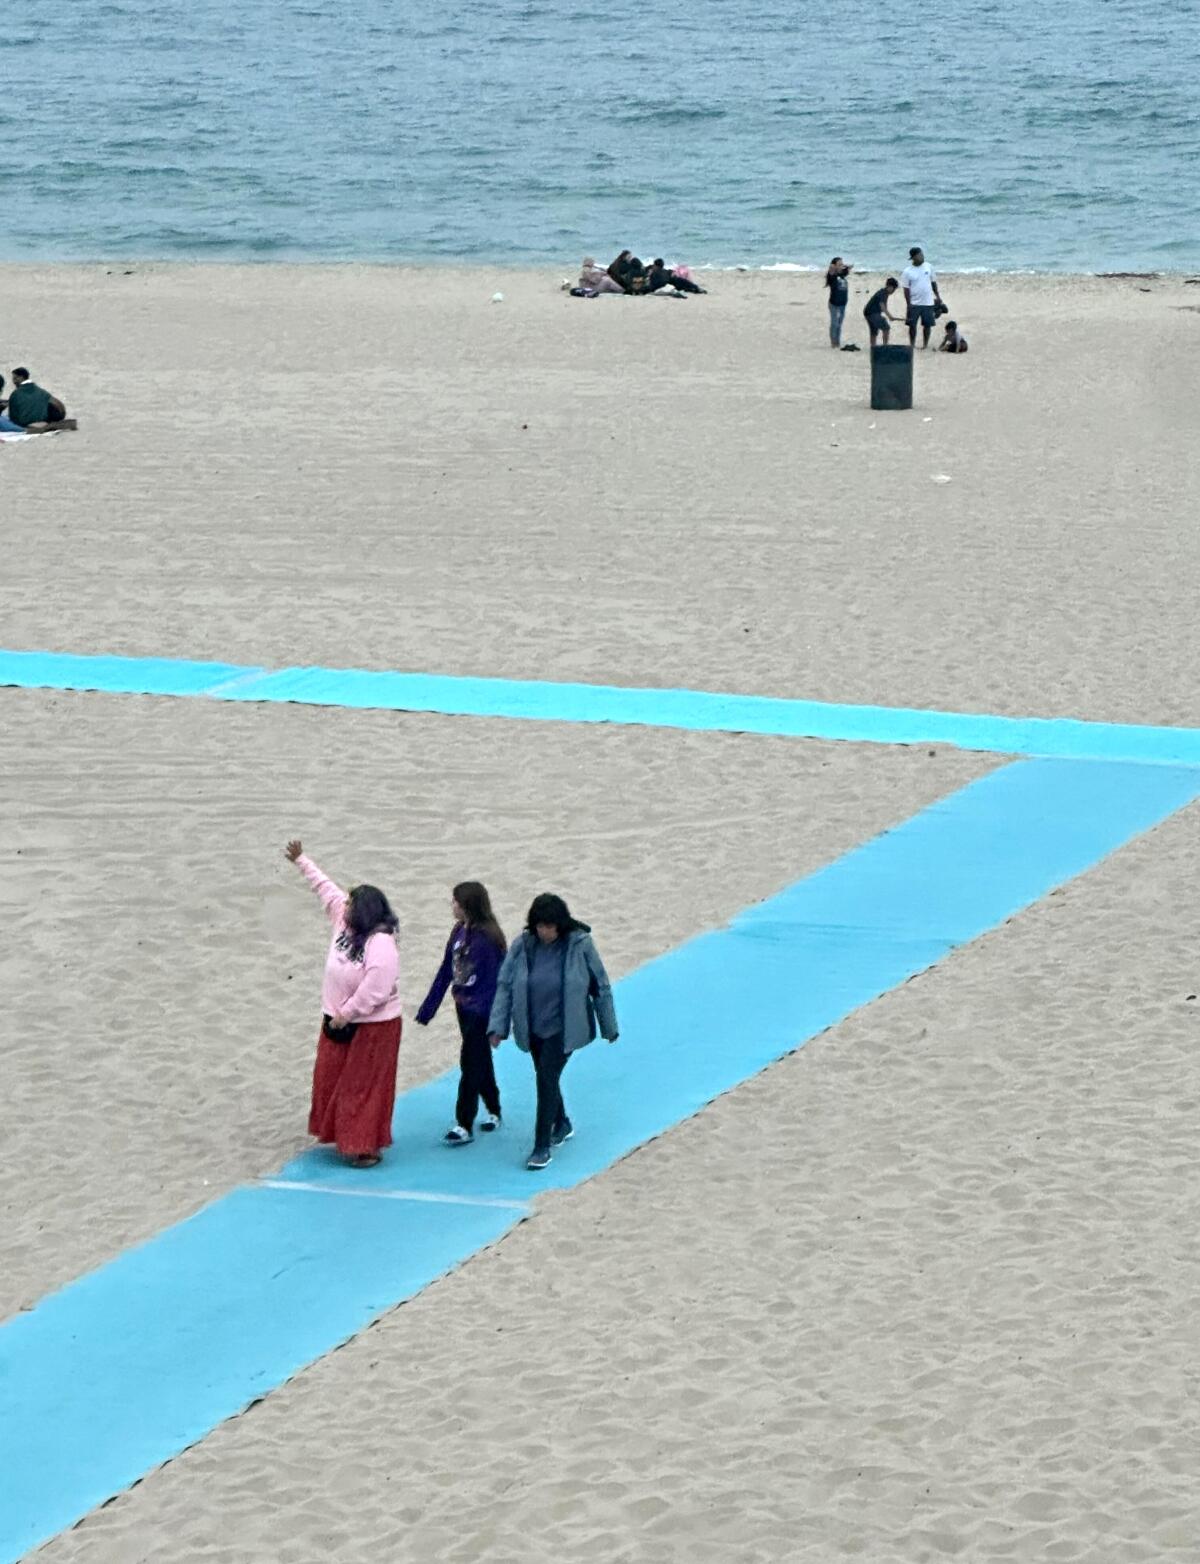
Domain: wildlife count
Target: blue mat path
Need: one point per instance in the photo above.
(124, 1368)
(1053, 738)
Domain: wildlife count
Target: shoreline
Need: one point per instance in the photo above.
(461, 265)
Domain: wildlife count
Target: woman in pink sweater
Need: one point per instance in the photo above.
(354, 1080)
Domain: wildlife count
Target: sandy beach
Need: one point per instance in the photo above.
(924, 1289)
(698, 489)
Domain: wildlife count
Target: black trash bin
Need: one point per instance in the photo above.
(891, 378)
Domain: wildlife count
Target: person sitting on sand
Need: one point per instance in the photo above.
(552, 991)
(878, 317)
(354, 1080)
(628, 272)
(660, 276)
(474, 953)
(33, 409)
(953, 341)
(6, 424)
(594, 279)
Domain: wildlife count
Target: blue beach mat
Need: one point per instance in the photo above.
(705, 711)
(123, 1369)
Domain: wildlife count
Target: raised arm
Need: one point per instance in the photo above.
(381, 968)
(333, 898)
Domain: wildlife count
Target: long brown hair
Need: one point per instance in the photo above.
(477, 909)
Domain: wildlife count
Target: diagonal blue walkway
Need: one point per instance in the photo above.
(127, 1366)
(1055, 738)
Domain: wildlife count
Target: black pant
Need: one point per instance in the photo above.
(478, 1070)
(549, 1061)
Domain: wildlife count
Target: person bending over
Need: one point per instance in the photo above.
(878, 317)
(953, 341)
(34, 409)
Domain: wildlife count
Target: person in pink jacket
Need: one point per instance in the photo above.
(354, 1079)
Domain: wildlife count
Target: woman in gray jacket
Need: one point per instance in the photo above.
(552, 992)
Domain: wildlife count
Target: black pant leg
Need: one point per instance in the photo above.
(468, 1080)
(478, 1066)
(549, 1061)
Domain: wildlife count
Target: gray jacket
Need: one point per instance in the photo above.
(587, 993)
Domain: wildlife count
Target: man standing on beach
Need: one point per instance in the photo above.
(920, 294)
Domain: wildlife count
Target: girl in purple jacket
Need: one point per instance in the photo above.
(474, 953)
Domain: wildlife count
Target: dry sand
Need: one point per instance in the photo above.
(314, 464)
(169, 1052)
(924, 1290)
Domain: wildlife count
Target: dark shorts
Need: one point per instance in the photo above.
(922, 313)
(877, 323)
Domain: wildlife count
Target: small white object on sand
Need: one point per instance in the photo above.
(941, 477)
(497, 298)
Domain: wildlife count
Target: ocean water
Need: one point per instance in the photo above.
(1024, 134)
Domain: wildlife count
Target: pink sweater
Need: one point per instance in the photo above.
(363, 990)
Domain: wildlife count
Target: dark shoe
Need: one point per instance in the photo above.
(538, 1160)
(457, 1137)
(564, 1131)
(489, 1122)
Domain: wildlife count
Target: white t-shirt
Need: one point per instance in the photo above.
(919, 281)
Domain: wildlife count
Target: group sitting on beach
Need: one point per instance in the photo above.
(30, 409)
(626, 274)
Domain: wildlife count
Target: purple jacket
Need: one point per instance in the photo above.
(469, 970)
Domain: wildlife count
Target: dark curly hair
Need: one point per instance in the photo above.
(368, 912)
(549, 908)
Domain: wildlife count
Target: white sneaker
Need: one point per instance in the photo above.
(457, 1136)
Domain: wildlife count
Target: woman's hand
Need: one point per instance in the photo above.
(338, 1022)
(293, 850)
(495, 1039)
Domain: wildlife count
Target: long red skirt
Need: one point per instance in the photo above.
(354, 1089)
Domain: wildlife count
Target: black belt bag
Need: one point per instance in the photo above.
(338, 1034)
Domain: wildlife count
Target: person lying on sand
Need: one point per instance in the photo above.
(660, 277)
(594, 279)
(953, 341)
(33, 409)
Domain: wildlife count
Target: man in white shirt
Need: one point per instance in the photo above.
(920, 294)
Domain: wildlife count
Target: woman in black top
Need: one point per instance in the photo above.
(837, 281)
